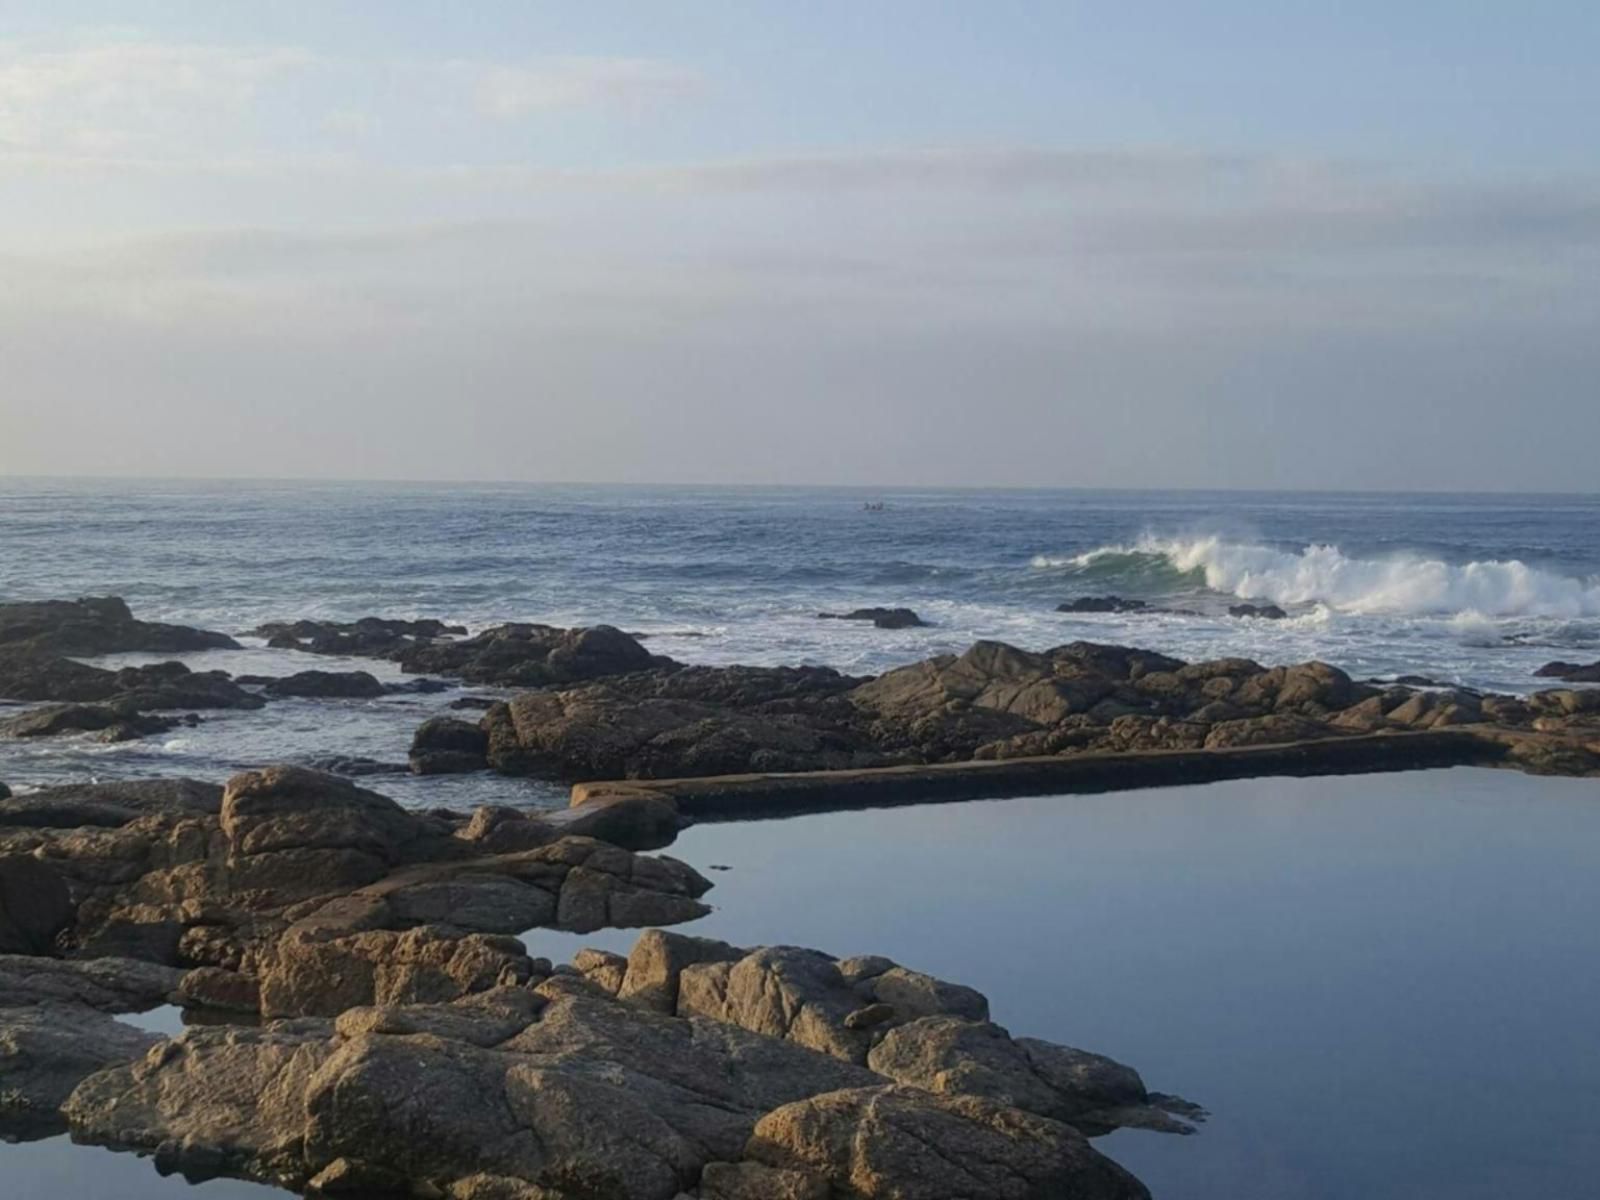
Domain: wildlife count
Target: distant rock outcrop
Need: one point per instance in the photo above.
(101, 625)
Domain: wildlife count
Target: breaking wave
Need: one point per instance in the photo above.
(1400, 585)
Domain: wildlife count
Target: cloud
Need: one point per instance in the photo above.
(131, 103)
(122, 97)
(511, 91)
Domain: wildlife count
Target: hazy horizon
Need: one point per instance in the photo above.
(906, 245)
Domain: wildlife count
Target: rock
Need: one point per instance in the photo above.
(5, 792)
(35, 906)
(688, 722)
(1263, 612)
(634, 820)
(46, 1050)
(309, 974)
(812, 999)
(96, 626)
(356, 765)
(593, 1094)
(327, 685)
(1101, 604)
(881, 618)
(110, 804)
(171, 685)
(300, 832)
(107, 984)
(113, 724)
(370, 637)
(532, 656)
(445, 745)
(163, 686)
(35, 676)
(464, 1082)
(219, 989)
(752, 1181)
(1570, 672)
(872, 1143)
(657, 961)
(958, 1056)
(602, 968)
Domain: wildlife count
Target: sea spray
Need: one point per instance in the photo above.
(1320, 573)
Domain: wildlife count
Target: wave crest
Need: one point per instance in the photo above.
(1399, 585)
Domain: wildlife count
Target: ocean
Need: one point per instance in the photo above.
(1476, 590)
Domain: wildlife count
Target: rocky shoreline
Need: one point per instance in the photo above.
(379, 1029)
(383, 1032)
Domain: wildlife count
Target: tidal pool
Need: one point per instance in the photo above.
(1382, 986)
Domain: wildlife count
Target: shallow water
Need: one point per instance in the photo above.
(1384, 987)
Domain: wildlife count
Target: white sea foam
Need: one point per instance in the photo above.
(1400, 584)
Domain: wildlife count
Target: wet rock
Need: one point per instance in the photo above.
(327, 685)
(35, 906)
(1101, 604)
(881, 618)
(34, 676)
(533, 656)
(102, 625)
(1262, 612)
(110, 804)
(111, 722)
(369, 637)
(1570, 672)
(356, 766)
(447, 745)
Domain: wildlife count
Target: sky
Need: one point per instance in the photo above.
(1278, 244)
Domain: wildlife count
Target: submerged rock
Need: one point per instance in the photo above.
(347, 685)
(1101, 604)
(369, 637)
(101, 625)
(1570, 672)
(1264, 612)
(881, 618)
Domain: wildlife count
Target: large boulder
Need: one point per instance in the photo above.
(293, 831)
(532, 656)
(101, 625)
(448, 745)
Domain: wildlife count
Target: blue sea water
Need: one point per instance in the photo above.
(1475, 590)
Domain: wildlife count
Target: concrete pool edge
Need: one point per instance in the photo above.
(758, 796)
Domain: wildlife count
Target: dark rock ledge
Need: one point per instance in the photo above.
(412, 1047)
(997, 703)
